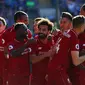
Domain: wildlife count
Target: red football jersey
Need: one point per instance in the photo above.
(67, 43)
(82, 41)
(3, 61)
(2, 57)
(81, 36)
(82, 47)
(18, 65)
(41, 66)
(61, 61)
(9, 34)
(39, 69)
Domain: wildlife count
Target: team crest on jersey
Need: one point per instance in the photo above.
(3, 41)
(10, 47)
(77, 46)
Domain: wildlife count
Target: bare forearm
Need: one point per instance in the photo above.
(79, 60)
(82, 59)
(76, 59)
(38, 58)
(35, 60)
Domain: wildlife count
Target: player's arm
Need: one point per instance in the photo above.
(18, 52)
(13, 53)
(6, 53)
(76, 59)
(36, 58)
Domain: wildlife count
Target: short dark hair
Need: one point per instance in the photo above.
(19, 14)
(3, 21)
(45, 22)
(19, 26)
(78, 20)
(66, 15)
(83, 7)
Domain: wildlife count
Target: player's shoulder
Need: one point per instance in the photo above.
(8, 30)
(11, 44)
(56, 32)
(73, 33)
(81, 36)
(29, 31)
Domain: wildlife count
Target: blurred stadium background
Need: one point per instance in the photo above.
(50, 9)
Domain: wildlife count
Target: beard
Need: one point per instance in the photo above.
(42, 35)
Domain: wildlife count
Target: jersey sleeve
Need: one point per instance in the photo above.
(2, 42)
(29, 34)
(74, 42)
(8, 35)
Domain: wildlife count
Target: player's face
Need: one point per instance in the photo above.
(43, 31)
(2, 26)
(65, 24)
(21, 34)
(82, 12)
(35, 28)
(25, 20)
(83, 28)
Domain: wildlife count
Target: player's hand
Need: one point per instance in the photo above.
(30, 41)
(46, 77)
(55, 32)
(48, 54)
(53, 50)
(49, 37)
(45, 54)
(6, 52)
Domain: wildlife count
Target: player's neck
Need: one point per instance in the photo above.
(77, 31)
(65, 30)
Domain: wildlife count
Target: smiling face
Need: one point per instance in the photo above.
(43, 31)
(65, 24)
(24, 19)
